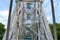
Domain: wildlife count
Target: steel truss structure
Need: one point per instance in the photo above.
(29, 22)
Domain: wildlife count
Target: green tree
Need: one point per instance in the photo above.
(58, 29)
(2, 30)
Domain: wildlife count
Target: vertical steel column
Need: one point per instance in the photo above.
(54, 23)
(9, 18)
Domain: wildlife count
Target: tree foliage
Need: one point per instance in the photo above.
(2, 30)
(58, 29)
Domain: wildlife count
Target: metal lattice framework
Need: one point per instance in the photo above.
(29, 22)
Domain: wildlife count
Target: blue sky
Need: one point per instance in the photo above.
(4, 10)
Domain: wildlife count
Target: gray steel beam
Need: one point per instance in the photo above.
(54, 23)
(9, 18)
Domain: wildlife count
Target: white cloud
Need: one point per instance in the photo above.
(49, 18)
(4, 13)
(58, 14)
(4, 17)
